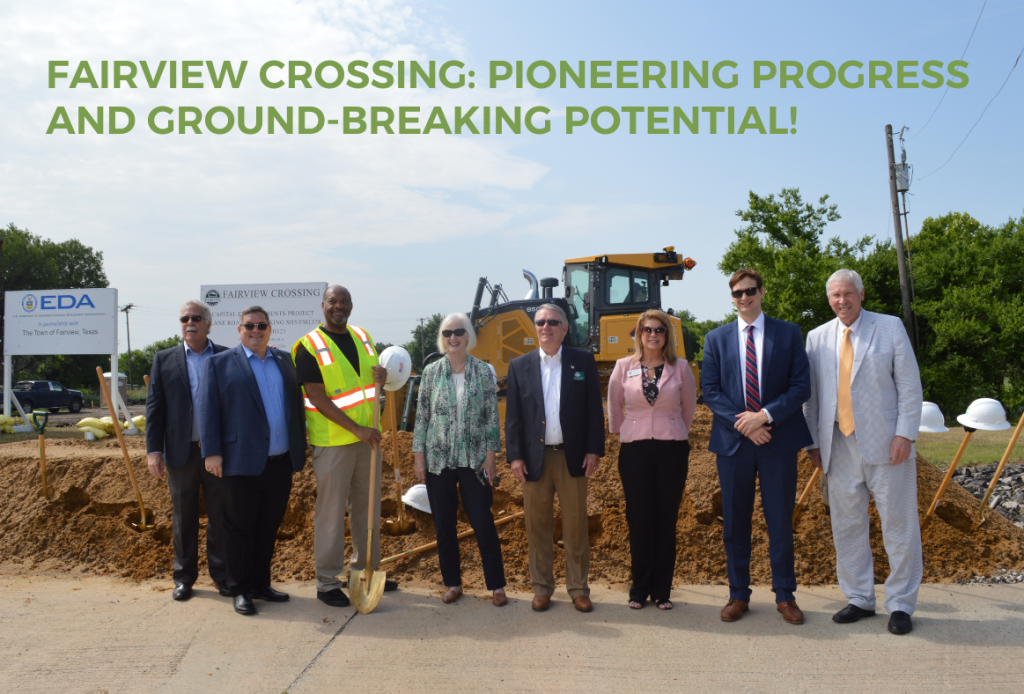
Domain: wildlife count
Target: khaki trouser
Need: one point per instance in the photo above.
(342, 480)
(539, 502)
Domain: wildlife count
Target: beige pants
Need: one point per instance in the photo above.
(342, 480)
(539, 502)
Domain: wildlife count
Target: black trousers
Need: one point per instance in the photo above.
(254, 506)
(443, 494)
(184, 483)
(653, 476)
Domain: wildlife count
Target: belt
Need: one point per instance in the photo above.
(555, 447)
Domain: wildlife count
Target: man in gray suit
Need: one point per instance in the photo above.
(864, 413)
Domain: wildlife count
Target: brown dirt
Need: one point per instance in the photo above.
(86, 526)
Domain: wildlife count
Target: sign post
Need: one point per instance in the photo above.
(59, 321)
(294, 309)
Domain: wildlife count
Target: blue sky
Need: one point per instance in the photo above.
(409, 223)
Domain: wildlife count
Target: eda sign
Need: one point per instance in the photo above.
(60, 321)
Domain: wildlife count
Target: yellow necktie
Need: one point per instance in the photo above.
(845, 382)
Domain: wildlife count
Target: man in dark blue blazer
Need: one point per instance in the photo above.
(554, 440)
(755, 378)
(253, 437)
(172, 440)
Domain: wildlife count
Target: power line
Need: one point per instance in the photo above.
(981, 116)
(961, 58)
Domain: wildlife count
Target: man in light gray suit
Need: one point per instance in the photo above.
(864, 413)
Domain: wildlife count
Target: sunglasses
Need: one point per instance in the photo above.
(554, 323)
(657, 331)
(256, 326)
(749, 291)
(195, 318)
(458, 332)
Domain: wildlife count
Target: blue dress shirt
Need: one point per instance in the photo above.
(194, 362)
(271, 385)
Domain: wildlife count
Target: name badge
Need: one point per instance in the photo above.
(578, 376)
(634, 372)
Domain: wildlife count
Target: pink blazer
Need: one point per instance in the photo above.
(634, 419)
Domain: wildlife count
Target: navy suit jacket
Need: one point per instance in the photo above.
(580, 411)
(786, 386)
(169, 406)
(233, 421)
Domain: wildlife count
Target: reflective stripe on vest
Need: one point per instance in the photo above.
(366, 341)
(323, 352)
(346, 401)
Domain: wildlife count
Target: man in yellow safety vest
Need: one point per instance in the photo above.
(337, 367)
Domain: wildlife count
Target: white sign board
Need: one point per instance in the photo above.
(60, 321)
(294, 309)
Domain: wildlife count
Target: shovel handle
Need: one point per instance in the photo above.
(392, 401)
(807, 491)
(949, 475)
(42, 464)
(374, 488)
(124, 447)
(999, 470)
(432, 545)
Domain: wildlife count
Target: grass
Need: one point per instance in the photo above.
(984, 447)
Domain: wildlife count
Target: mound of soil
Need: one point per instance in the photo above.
(87, 524)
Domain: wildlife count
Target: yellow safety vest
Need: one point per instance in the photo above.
(352, 393)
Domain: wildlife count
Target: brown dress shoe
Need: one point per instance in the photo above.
(583, 603)
(541, 603)
(790, 612)
(499, 599)
(452, 595)
(734, 609)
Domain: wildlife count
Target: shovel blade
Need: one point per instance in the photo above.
(366, 587)
(402, 526)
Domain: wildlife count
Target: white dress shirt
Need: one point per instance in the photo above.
(854, 332)
(759, 348)
(551, 381)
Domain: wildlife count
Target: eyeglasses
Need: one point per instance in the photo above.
(195, 318)
(458, 332)
(657, 331)
(256, 326)
(749, 291)
(554, 323)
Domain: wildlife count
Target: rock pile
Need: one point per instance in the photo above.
(1008, 497)
(1003, 576)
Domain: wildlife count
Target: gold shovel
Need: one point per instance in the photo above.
(367, 585)
(999, 470)
(803, 497)
(141, 525)
(949, 476)
(402, 526)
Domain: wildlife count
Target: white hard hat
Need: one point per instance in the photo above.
(932, 420)
(417, 498)
(399, 365)
(985, 414)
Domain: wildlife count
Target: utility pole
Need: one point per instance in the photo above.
(908, 321)
(125, 310)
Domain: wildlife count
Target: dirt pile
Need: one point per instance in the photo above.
(86, 526)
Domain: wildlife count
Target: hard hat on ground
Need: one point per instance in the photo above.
(399, 365)
(985, 414)
(932, 421)
(417, 498)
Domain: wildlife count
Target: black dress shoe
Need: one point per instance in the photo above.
(851, 613)
(899, 623)
(269, 594)
(333, 597)
(222, 589)
(390, 585)
(243, 604)
(182, 592)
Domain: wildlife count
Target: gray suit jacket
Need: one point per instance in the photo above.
(886, 387)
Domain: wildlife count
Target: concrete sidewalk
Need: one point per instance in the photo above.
(108, 635)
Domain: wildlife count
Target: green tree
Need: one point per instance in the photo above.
(31, 262)
(142, 359)
(698, 329)
(428, 331)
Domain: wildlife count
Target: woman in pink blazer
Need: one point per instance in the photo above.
(651, 401)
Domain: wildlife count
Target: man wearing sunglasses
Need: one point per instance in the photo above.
(554, 438)
(340, 376)
(253, 439)
(172, 441)
(755, 378)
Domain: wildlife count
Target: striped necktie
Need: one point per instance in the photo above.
(752, 388)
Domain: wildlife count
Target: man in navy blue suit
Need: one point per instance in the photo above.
(755, 378)
(253, 436)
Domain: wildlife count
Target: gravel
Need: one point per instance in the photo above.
(1008, 496)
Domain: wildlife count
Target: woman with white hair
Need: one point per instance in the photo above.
(455, 444)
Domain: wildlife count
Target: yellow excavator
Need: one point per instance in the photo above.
(603, 295)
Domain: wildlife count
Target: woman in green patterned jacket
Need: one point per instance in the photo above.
(455, 444)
